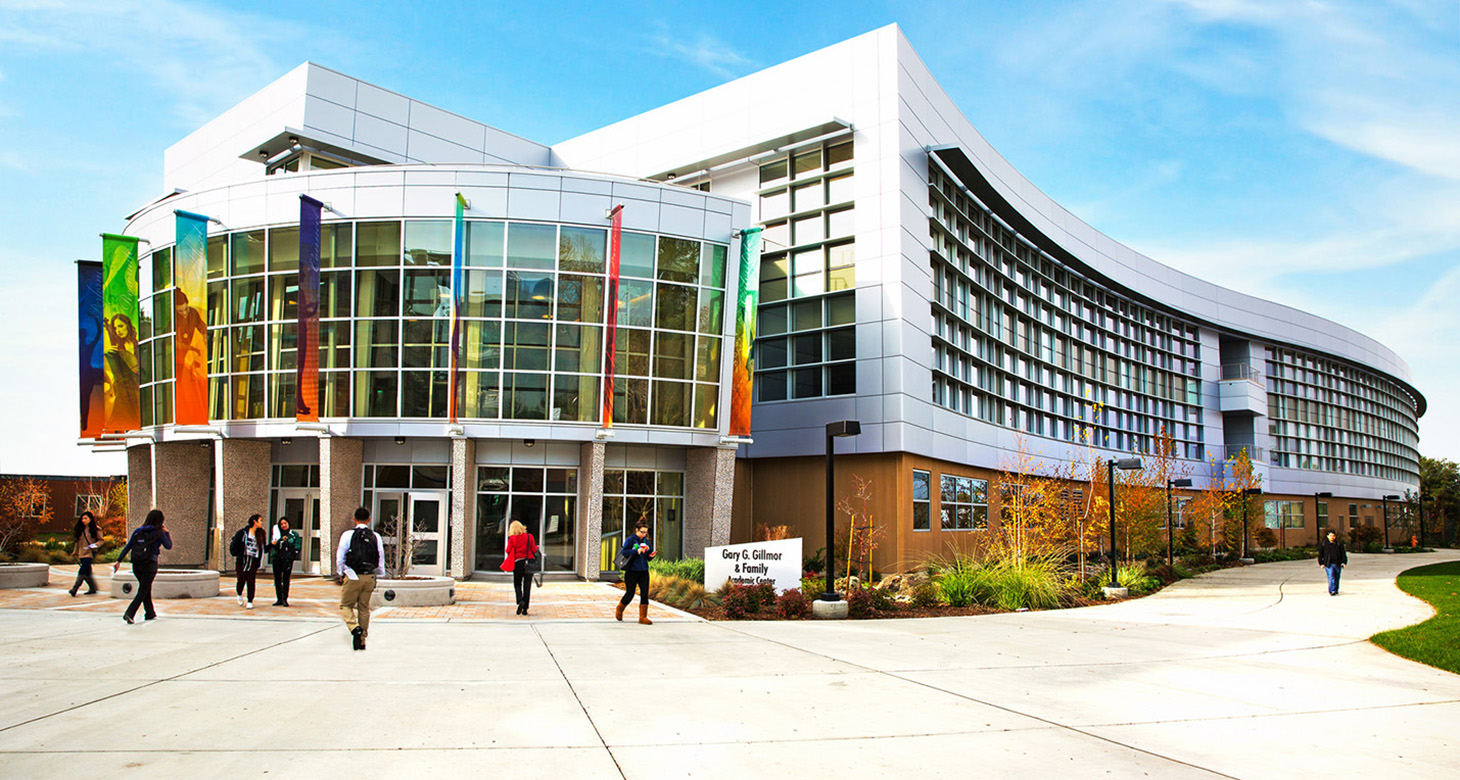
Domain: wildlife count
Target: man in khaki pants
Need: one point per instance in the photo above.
(358, 560)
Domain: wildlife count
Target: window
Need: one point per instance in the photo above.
(964, 503)
(1284, 514)
(632, 495)
(1322, 507)
(90, 502)
(922, 500)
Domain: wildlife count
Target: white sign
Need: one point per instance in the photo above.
(778, 563)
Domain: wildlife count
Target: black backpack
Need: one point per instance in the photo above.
(235, 547)
(362, 556)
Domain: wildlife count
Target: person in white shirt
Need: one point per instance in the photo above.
(359, 566)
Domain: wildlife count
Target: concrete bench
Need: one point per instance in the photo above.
(24, 575)
(170, 584)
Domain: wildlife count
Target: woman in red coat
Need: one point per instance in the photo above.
(521, 551)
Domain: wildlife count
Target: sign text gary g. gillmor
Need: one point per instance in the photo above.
(777, 562)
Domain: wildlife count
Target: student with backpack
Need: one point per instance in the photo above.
(144, 545)
(358, 562)
(283, 552)
(247, 549)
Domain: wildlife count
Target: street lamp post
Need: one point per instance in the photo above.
(834, 431)
(1316, 497)
(1245, 506)
(1386, 500)
(1124, 464)
(1171, 483)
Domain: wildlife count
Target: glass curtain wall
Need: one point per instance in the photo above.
(544, 500)
(632, 495)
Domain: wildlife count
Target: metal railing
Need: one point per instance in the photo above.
(1233, 371)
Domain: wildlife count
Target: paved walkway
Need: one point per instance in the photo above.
(313, 597)
(1250, 673)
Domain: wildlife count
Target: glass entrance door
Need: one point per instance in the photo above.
(428, 534)
(301, 506)
(426, 518)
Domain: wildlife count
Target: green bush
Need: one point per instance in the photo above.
(925, 594)
(956, 588)
(1136, 579)
(677, 591)
(684, 568)
(860, 603)
(793, 605)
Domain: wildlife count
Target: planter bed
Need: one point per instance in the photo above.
(24, 575)
(170, 584)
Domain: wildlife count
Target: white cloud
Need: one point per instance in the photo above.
(706, 52)
(202, 56)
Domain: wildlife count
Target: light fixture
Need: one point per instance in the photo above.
(286, 441)
(529, 442)
(834, 431)
(400, 440)
(1124, 464)
(1171, 483)
(1386, 500)
(263, 154)
(293, 140)
(1257, 491)
(671, 176)
(603, 434)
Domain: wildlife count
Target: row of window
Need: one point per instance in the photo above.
(1023, 343)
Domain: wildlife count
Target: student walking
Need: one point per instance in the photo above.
(247, 549)
(636, 554)
(88, 538)
(1332, 557)
(283, 552)
(521, 552)
(145, 544)
(359, 561)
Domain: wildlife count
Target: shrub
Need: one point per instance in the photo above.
(738, 602)
(860, 603)
(1036, 583)
(1360, 537)
(793, 605)
(813, 587)
(684, 568)
(1136, 579)
(882, 599)
(764, 595)
(925, 594)
(956, 588)
(677, 591)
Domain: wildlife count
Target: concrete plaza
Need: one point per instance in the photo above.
(1247, 673)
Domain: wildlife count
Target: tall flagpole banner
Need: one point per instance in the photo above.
(458, 261)
(120, 314)
(190, 319)
(306, 362)
(89, 347)
(745, 311)
(610, 341)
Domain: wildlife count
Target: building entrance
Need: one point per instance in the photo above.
(301, 506)
(424, 513)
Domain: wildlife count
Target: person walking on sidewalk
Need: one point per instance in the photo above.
(636, 553)
(283, 552)
(145, 545)
(88, 538)
(1332, 557)
(247, 549)
(359, 560)
(521, 552)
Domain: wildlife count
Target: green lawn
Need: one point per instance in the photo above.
(1436, 641)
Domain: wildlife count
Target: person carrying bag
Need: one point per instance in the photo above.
(283, 552)
(521, 554)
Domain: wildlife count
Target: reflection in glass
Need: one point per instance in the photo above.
(377, 293)
(673, 355)
(375, 344)
(635, 303)
(428, 243)
(707, 404)
(672, 403)
(526, 396)
(246, 253)
(375, 393)
(483, 294)
(377, 243)
(630, 400)
(484, 244)
(580, 298)
(428, 293)
(582, 249)
(424, 393)
(675, 306)
(679, 260)
(284, 249)
(636, 255)
(532, 246)
(529, 296)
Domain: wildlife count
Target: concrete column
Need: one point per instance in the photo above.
(463, 508)
(181, 472)
(709, 495)
(590, 508)
(341, 461)
(240, 490)
(139, 484)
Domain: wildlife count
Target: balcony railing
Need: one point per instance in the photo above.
(1233, 371)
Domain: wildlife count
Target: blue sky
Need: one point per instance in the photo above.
(1306, 152)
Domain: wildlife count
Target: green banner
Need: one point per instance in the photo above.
(120, 315)
(747, 300)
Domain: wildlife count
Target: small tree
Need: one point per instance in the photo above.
(25, 504)
(857, 540)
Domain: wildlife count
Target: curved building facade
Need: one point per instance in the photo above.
(908, 278)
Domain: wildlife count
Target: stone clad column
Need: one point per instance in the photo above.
(139, 485)
(709, 493)
(590, 508)
(241, 489)
(341, 464)
(181, 473)
(463, 508)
